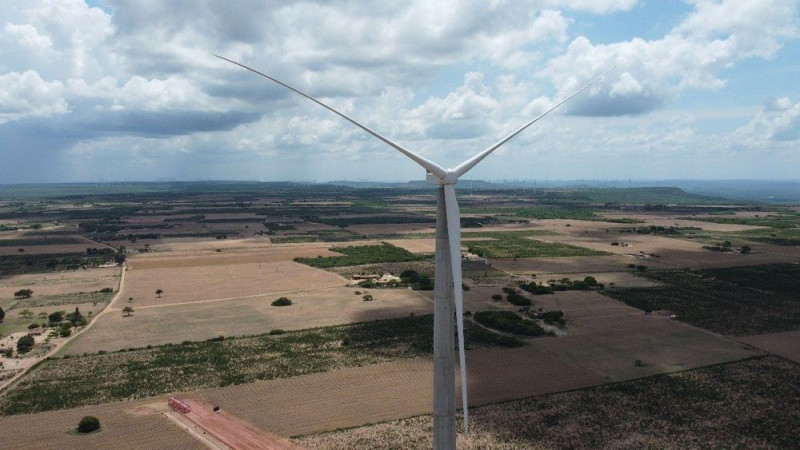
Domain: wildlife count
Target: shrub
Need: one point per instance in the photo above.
(25, 344)
(553, 318)
(23, 293)
(497, 297)
(367, 297)
(276, 331)
(368, 284)
(283, 301)
(518, 300)
(88, 424)
(509, 322)
(33, 325)
(107, 289)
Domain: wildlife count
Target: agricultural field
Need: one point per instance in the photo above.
(736, 301)
(667, 411)
(696, 287)
(72, 381)
(192, 321)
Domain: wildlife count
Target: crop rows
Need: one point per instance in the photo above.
(363, 254)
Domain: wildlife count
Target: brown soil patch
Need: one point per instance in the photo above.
(349, 397)
(55, 283)
(231, 430)
(415, 245)
(785, 344)
(203, 320)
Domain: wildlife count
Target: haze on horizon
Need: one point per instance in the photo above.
(129, 90)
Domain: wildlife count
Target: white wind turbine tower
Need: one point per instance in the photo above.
(448, 281)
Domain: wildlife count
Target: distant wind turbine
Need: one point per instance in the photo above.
(447, 275)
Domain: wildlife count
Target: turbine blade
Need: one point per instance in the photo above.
(464, 167)
(427, 164)
(454, 238)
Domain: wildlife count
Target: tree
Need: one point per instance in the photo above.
(127, 311)
(23, 293)
(746, 249)
(283, 301)
(55, 317)
(159, 292)
(2, 315)
(25, 344)
(76, 318)
(88, 424)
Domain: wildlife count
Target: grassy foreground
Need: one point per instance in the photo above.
(97, 378)
(747, 404)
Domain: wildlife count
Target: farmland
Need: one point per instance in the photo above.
(220, 361)
(668, 411)
(204, 264)
(736, 301)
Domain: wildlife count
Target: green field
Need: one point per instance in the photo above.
(736, 301)
(362, 254)
(97, 378)
(518, 244)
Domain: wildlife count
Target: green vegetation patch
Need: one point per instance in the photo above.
(770, 220)
(64, 299)
(736, 301)
(509, 322)
(726, 406)
(774, 236)
(362, 254)
(518, 244)
(22, 263)
(74, 381)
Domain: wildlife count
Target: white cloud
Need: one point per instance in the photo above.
(144, 77)
(28, 95)
(28, 37)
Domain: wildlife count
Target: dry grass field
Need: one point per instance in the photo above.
(350, 397)
(607, 337)
(56, 283)
(125, 425)
(786, 344)
(185, 284)
(156, 325)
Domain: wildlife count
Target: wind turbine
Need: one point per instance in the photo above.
(447, 274)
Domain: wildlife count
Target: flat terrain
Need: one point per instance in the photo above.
(55, 283)
(786, 344)
(192, 321)
(186, 284)
(348, 397)
(123, 426)
(693, 409)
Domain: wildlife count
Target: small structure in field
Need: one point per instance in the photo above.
(179, 405)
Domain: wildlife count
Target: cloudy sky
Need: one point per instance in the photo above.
(129, 89)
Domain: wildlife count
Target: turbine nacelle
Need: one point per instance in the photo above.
(450, 177)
